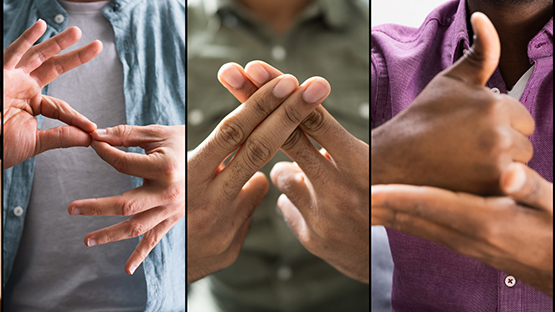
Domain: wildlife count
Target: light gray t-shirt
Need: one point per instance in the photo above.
(54, 270)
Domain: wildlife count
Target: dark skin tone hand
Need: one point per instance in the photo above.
(517, 22)
(404, 148)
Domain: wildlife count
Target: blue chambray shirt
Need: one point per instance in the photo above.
(150, 40)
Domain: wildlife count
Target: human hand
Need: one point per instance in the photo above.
(457, 134)
(157, 205)
(27, 69)
(513, 233)
(222, 198)
(325, 195)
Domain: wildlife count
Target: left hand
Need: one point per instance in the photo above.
(513, 233)
(157, 205)
(325, 198)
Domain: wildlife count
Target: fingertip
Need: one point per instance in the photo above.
(317, 89)
(75, 31)
(231, 74)
(513, 178)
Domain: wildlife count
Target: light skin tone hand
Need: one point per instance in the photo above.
(512, 233)
(156, 206)
(457, 134)
(27, 69)
(222, 197)
(325, 194)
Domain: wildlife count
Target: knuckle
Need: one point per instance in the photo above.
(314, 122)
(175, 194)
(258, 152)
(129, 207)
(58, 68)
(122, 131)
(230, 134)
(293, 139)
(221, 245)
(120, 163)
(292, 115)
(261, 106)
(136, 229)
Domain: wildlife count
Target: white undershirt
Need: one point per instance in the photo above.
(519, 86)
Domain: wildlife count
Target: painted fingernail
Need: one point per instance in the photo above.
(232, 76)
(315, 91)
(284, 87)
(132, 269)
(257, 73)
(75, 211)
(91, 242)
(100, 132)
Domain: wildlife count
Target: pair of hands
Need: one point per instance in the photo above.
(325, 195)
(155, 206)
(465, 138)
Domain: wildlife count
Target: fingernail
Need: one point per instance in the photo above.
(40, 19)
(517, 182)
(132, 269)
(232, 76)
(284, 87)
(315, 91)
(257, 73)
(75, 211)
(91, 242)
(100, 132)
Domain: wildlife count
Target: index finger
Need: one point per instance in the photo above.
(270, 135)
(52, 107)
(234, 130)
(134, 164)
(460, 211)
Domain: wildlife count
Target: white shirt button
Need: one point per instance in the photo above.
(59, 18)
(510, 281)
(284, 273)
(18, 211)
(278, 53)
(495, 90)
(195, 117)
(364, 110)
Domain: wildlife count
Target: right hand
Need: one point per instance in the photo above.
(27, 69)
(457, 134)
(222, 198)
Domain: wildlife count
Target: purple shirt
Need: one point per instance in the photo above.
(427, 276)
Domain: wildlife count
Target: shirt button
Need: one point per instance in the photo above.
(59, 18)
(279, 53)
(196, 117)
(495, 90)
(510, 281)
(284, 273)
(364, 110)
(18, 211)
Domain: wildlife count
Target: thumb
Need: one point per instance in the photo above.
(477, 66)
(526, 186)
(252, 194)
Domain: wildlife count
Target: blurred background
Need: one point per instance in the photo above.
(405, 12)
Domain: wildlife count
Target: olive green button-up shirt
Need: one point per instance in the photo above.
(274, 272)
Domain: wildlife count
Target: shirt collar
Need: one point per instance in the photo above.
(459, 39)
(335, 13)
(49, 9)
